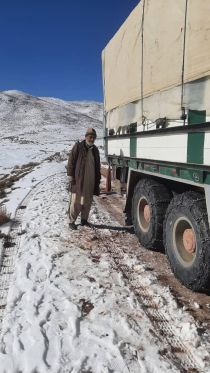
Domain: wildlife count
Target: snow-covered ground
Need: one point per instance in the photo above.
(66, 312)
(77, 301)
(70, 310)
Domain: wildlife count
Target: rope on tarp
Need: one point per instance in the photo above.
(183, 60)
(183, 64)
(142, 68)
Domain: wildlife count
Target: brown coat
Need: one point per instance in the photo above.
(76, 167)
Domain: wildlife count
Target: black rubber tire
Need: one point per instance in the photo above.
(158, 198)
(190, 205)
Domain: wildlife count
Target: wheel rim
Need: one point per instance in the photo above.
(184, 241)
(144, 214)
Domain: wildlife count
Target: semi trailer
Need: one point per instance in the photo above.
(156, 82)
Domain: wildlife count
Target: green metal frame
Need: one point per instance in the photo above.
(184, 172)
(192, 171)
(195, 139)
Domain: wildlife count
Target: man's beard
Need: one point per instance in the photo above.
(89, 143)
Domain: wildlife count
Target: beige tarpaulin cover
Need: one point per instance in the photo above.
(122, 63)
(161, 60)
(198, 39)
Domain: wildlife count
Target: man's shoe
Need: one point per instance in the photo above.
(73, 226)
(85, 222)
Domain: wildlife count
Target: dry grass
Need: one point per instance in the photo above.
(2, 193)
(7, 181)
(29, 165)
(4, 216)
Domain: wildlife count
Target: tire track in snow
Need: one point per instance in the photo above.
(165, 328)
(9, 253)
(178, 352)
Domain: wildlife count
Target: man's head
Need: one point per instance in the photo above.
(90, 136)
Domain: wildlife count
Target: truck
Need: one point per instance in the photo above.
(156, 85)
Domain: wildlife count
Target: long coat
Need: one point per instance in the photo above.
(76, 167)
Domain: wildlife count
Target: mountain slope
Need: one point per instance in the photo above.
(18, 109)
(33, 128)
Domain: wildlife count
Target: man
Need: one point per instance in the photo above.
(84, 171)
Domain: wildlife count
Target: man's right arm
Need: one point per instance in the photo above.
(72, 161)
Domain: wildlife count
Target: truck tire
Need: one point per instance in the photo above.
(149, 204)
(187, 240)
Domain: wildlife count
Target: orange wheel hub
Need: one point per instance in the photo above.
(147, 214)
(189, 240)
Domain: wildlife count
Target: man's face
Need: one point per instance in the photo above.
(90, 139)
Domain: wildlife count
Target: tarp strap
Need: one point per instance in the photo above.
(142, 68)
(184, 54)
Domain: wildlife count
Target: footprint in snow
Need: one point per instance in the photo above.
(41, 275)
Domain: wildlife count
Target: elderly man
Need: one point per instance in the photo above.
(84, 171)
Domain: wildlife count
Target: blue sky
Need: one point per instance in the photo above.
(53, 48)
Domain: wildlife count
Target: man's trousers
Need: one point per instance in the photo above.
(76, 207)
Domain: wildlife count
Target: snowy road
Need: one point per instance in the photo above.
(83, 302)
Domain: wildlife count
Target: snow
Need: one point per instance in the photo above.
(46, 325)
(70, 306)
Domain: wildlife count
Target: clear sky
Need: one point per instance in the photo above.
(53, 47)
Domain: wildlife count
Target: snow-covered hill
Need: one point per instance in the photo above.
(18, 108)
(33, 128)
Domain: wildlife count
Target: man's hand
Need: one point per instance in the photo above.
(72, 182)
